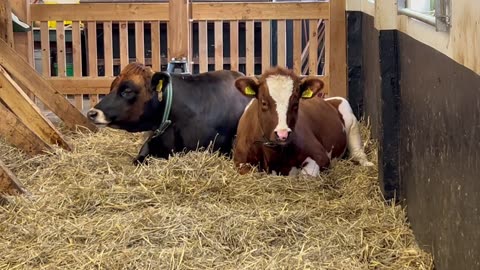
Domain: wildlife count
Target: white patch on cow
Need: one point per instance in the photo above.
(329, 154)
(281, 88)
(100, 118)
(248, 105)
(354, 141)
(293, 171)
(274, 172)
(311, 167)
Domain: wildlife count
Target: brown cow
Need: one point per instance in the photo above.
(287, 126)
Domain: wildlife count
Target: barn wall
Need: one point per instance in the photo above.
(424, 109)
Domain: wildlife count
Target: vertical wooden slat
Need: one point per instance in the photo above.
(234, 45)
(202, 46)
(123, 44)
(282, 43)
(108, 48)
(297, 46)
(312, 51)
(156, 61)
(6, 25)
(266, 45)
(249, 40)
(218, 45)
(45, 45)
(77, 59)
(338, 40)
(92, 57)
(179, 29)
(61, 65)
(327, 49)
(139, 42)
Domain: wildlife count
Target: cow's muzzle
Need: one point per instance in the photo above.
(97, 117)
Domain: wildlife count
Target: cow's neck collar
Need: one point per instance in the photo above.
(167, 97)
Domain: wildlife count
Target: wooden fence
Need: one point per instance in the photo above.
(212, 35)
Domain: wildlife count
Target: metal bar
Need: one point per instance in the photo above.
(417, 15)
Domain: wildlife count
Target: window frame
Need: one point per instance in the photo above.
(440, 20)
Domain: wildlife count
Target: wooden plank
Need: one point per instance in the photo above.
(6, 25)
(326, 70)
(179, 29)
(108, 48)
(156, 61)
(45, 45)
(266, 45)
(123, 44)
(140, 42)
(202, 46)
(92, 49)
(259, 11)
(313, 48)
(85, 85)
(61, 62)
(100, 11)
(76, 49)
(9, 183)
(22, 106)
(92, 57)
(338, 40)
(18, 134)
(23, 40)
(234, 45)
(250, 46)
(282, 43)
(218, 45)
(297, 46)
(27, 76)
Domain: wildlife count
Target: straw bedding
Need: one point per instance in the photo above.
(92, 209)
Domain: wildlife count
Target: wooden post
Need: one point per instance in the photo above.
(16, 133)
(8, 182)
(28, 112)
(23, 40)
(35, 83)
(6, 25)
(179, 29)
(338, 55)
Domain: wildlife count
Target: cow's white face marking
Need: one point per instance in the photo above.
(248, 105)
(281, 89)
(99, 118)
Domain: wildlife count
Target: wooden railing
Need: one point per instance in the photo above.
(244, 39)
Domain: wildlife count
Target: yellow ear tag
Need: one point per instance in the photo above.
(307, 93)
(159, 86)
(249, 91)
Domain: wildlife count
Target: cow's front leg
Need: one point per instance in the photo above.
(143, 154)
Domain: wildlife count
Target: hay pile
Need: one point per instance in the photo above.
(91, 209)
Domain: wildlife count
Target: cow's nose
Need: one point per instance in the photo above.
(92, 114)
(283, 134)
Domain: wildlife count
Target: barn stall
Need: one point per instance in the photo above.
(83, 204)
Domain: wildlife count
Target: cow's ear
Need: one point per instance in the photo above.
(247, 86)
(309, 87)
(159, 81)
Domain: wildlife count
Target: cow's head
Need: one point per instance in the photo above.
(133, 95)
(278, 92)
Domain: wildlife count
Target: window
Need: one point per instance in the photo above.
(433, 12)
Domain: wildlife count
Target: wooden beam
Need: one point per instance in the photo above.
(338, 49)
(35, 83)
(260, 11)
(179, 29)
(8, 182)
(6, 25)
(22, 106)
(102, 11)
(84, 85)
(18, 134)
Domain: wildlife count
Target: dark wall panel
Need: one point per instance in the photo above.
(440, 153)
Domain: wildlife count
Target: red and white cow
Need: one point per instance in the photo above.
(287, 127)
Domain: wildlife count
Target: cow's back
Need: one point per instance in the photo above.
(321, 121)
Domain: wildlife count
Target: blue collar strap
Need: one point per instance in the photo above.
(166, 112)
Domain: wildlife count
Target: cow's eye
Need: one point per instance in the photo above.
(264, 103)
(127, 93)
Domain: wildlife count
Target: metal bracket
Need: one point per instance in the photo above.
(178, 66)
(442, 15)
